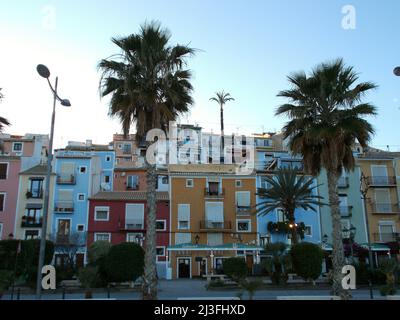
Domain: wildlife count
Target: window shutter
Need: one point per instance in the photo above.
(215, 239)
(215, 211)
(65, 195)
(183, 212)
(181, 238)
(134, 214)
(243, 198)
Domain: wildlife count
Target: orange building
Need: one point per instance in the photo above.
(211, 219)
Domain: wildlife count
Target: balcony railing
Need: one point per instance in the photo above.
(381, 181)
(64, 207)
(245, 210)
(66, 179)
(215, 225)
(211, 193)
(384, 208)
(62, 239)
(387, 237)
(31, 222)
(132, 187)
(345, 211)
(343, 182)
(134, 224)
(34, 194)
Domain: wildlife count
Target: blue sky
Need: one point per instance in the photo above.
(246, 48)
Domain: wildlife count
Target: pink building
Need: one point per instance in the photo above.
(17, 153)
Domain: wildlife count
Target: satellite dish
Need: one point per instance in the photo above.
(396, 71)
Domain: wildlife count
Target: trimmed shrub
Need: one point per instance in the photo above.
(124, 262)
(98, 250)
(236, 268)
(307, 260)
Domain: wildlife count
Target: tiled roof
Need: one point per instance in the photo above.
(222, 247)
(384, 155)
(39, 169)
(128, 195)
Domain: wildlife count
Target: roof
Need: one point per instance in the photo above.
(202, 169)
(382, 155)
(128, 195)
(223, 247)
(93, 147)
(39, 169)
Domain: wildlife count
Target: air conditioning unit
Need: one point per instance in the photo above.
(105, 186)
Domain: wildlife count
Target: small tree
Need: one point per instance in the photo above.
(124, 262)
(88, 278)
(97, 251)
(5, 280)
(389, 268)
(307, 260)
(251, 286)
(236, 268)
(277, 263)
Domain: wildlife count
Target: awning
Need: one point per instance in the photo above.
(376, 246)
(223, 247)
(34, 206)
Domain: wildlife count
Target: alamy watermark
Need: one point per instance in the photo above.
(349, 19)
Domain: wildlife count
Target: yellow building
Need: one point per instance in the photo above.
(29, 215)
(210, 219)
(382, 180)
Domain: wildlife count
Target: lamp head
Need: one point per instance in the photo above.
(65, 103)
(43, 71)
(396, 71)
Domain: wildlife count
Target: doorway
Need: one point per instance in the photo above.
(203, 267)
(184, 266)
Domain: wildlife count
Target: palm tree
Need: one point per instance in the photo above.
(221, 98)
(326, 117)
(149, 87)
(3, 121)
(288, 192)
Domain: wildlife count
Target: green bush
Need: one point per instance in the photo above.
(97, 251)
(88, 276)
(278, 263)
(124, 262)
(215, 284)
(235, 268)
(5, 280)
(307, 260)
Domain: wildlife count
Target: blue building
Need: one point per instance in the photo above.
(82, 170)
(274, 160)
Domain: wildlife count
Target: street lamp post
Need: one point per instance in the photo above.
(45, 73)
(364, 186)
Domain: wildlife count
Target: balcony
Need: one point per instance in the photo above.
(384, 208)
(381, 181)
(207, 225)
(62, 239)
(213, 194)
(64, 207)
(243, 210)
(132, 187)
(31, 222)
(34, 194)
(345, 211)
(131, 224)
(343, 182)
(66, 179)
(387, 237)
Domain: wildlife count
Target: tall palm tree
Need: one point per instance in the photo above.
(222, 98)
(288, 191)
(3, 121)
(149, 87)
(326, 117)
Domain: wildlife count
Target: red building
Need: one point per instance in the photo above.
(119, 216)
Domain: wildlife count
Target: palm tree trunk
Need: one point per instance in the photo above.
(222, 132)
(338, 253)
(150, 269)
(293, 230)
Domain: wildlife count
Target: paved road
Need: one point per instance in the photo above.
(178, 289)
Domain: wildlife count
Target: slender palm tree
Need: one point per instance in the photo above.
(3, 121)
(326, 117)
(149, 87)
(288, 191)
(222, 98)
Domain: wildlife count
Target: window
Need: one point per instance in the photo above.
(214, 214)
(82, 169)
(379, 174)
(215, 239)
(243, 199)
(132, 182)
(164, 180)
(135, 238)
(127, 148)
(80, 227)
(102, 237)
(345, 229)
(17, 147)
(184, 216)
(65, 202)
(101, 213)
(81, 197)
(308, 231)
(31, 234)
(281, 215)
(33, 216)
(36, 188)
(134, 216)
(218, 265)
(160, 251)
(382, 200)
(2, 200)
(189, 183)
(3, 171)
(160, 225)
(386, 231)
(108, 158)
(106, 179)
(182, 238)
(243, 225)
(238, 183)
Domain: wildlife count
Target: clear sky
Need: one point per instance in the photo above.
(246, 48)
